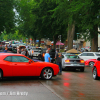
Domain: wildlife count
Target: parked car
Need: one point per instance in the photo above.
(72, 61)
(89, 55)
(12, 65)
(96, 69)
(34, 52)
(87, 48)
(90, 62)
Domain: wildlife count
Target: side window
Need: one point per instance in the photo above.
(84, 54)
(19, 59)
(8, 58)
(90, 54)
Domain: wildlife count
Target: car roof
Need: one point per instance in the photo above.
(3, 55)
(91, 52)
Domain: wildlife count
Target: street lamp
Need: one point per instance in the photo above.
(77, 41)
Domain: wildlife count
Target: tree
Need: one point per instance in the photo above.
(37, 21)
(7, 15)
(88, 16)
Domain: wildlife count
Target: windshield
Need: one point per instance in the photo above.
(71, 56)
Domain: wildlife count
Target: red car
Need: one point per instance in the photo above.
(90, 62)
(12, 65)
(96, 69)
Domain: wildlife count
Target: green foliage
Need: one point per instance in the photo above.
(35, 19)
(10, 36)
(7, 20)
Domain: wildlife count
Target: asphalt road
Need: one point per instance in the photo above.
(71, 85)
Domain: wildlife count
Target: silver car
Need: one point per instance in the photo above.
(72, 61)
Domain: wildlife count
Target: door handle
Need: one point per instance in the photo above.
(15, 64)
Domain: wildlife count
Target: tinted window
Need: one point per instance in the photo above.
(8, 58)
(84, 54)
(90, 54)
(19, 59)
(97, 54)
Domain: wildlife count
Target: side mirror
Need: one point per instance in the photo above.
(98, 59)
(29, 61)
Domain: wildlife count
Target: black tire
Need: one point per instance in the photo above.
(91, 64)
(94, 74)
(82, 69)
(1, 74)
(47, 73)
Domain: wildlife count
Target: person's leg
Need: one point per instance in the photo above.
(58, 65)
(60, 68)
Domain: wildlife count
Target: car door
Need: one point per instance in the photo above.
(22, 67)
(7, 66)
(83, 56)
(91, 56)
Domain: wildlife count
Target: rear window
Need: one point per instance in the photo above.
(97, 54)
(71, 56)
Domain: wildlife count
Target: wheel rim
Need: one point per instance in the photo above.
(94, 73)
(91, 64)
(47, 73)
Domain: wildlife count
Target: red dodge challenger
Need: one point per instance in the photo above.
(12, 65)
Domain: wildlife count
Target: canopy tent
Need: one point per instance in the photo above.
(59, 43)
(48, 43)
(73, 51)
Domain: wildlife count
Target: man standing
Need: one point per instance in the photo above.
(58, 57)
(47, 56)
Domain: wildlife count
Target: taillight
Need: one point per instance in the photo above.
(81, 61)
(43, 54)
(67, 61)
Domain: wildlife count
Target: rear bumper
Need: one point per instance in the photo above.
(71, 66)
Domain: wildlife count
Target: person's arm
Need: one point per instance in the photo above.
(55, 55)
(49, 59)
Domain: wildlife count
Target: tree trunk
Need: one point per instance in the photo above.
(54, 44)
(39, 42)
(94, 40)
(71, 31)
(34, 41)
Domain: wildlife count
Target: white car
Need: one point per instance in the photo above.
(34, 52)
(89, 55)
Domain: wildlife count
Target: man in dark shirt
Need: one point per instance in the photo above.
(58, 57)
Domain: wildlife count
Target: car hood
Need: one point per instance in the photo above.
(46, 63)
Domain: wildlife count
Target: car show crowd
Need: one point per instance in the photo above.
(75, 59)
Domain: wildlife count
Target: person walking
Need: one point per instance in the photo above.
(58, 57)
(5, 49)
(26, 52)
(22, 52)
(18, 50)
(47, 56)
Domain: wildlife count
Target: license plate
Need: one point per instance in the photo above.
(75, 64)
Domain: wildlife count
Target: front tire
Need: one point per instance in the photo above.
(1, 75)
(47, 73)
(94, 74)
(91, 64)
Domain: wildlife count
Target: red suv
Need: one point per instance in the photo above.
(96, 69)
